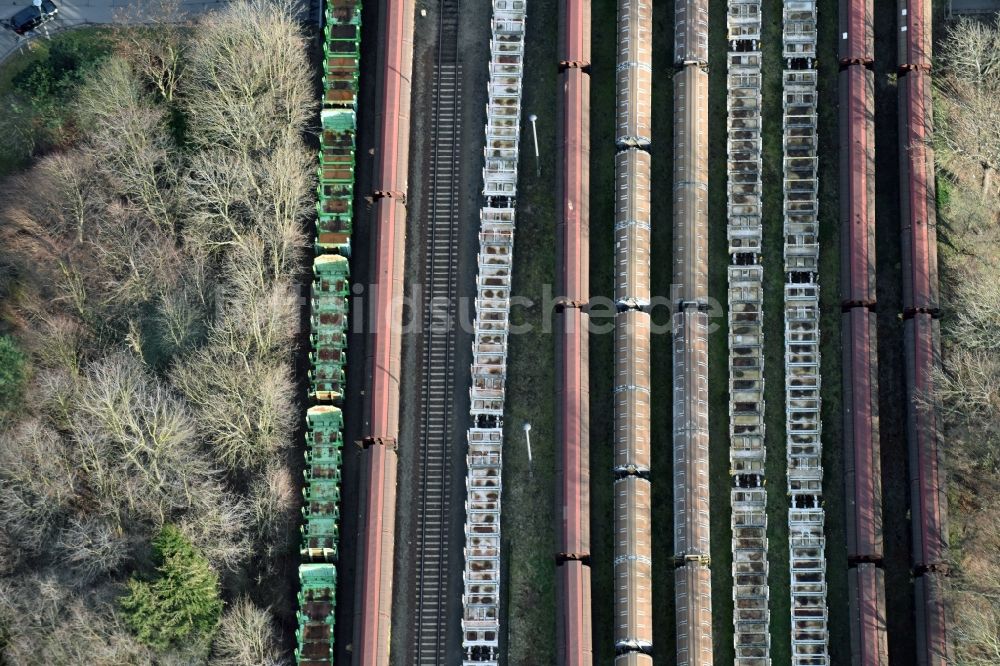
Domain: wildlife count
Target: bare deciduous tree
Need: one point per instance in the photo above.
(246, 637)
(245, 409)
(969, 382)
(158, 53)
(136, 443)
(273, 499)
(246, 89)
(46, 623)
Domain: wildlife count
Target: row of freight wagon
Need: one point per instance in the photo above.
(328, 336)
(922, 345)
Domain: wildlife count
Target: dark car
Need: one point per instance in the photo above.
(30, 18)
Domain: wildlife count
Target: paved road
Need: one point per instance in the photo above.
(974, 6)
(74, 13)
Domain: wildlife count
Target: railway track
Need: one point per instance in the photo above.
(439, 219)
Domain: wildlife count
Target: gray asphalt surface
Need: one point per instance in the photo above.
(974, 6)
(75, 13)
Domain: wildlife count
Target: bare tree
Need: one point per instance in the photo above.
(90, 548)
(246, 637)
(46, 622)
(972, 49)
(248, 77)
(219, 526)
(234, 199)
(36, 485)
(136, 444)
(273, 501)
(158, 53)
(978, 630)
(244, 406)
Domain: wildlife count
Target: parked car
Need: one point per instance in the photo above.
(30, 18)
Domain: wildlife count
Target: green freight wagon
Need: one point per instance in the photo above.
(324, 426)
(335, 207)
(342, 51)
(317, 602)
(329, 325)
(320, 532)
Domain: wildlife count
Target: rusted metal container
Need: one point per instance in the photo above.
(933, 637)
(857, 32)
(632, 227)
(574, 34)
(866, 598)
(572, 434)
(928, 492)
(693, 585)
(633, 564)
(392, 118)
(574, 643)
(862, 467)
(573, 187)
(857, 186)
(691, 32)
(914, 37)
(918, 212)
(631, 392)
(375, 545)
(690, 198)
(690, 414)
(385, 306)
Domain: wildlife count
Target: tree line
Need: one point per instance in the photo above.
(147, 282)
(968, 157)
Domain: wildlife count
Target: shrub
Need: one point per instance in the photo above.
(180, 602)
(11, 373)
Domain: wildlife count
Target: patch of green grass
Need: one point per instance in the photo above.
(661, 353)
(720, 482)
(528, 520)
(830, 325)
(602, 220)
(774, 359)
